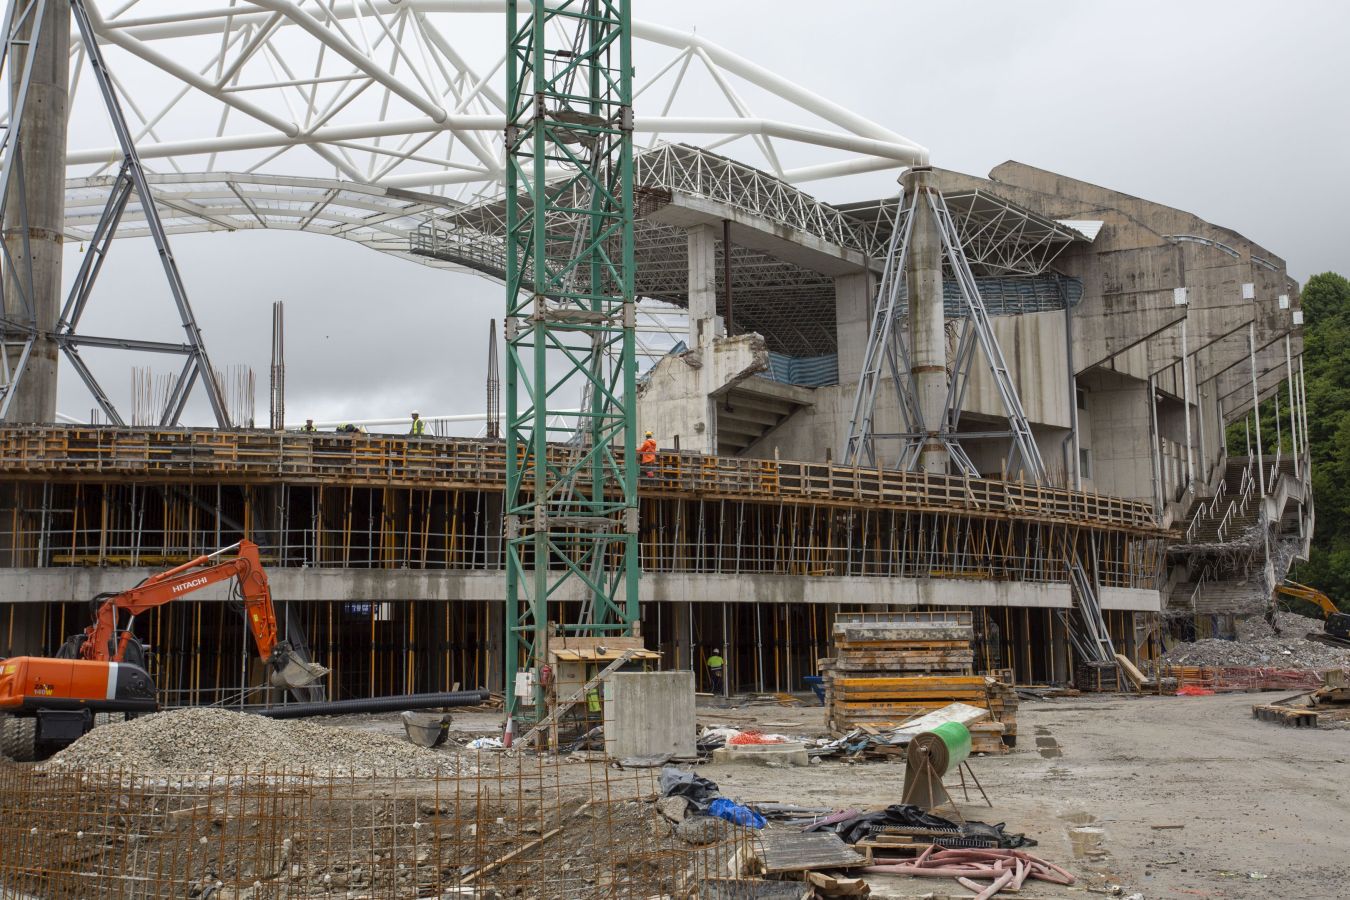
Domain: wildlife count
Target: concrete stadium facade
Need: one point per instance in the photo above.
(1135, 334)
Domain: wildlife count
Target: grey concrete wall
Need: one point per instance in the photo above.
(650, 714)
(1115, 426)
(679, 396)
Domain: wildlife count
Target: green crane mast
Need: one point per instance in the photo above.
(571, 502)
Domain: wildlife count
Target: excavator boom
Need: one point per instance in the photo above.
(48, 702)
(288, 669)
(1336, 623)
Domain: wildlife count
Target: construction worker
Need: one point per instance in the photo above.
(309, 427)
(647, 456)
(715, 665)
(349, 428)
(419, 427)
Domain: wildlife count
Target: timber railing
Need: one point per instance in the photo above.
(187, 455)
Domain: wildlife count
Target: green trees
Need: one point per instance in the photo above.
(1326, 349)
(1326, 361)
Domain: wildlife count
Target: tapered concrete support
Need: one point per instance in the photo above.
(927, 339)
(42, 148)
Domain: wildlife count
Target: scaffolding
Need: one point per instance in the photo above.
(106, 504)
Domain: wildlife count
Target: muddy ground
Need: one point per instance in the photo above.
(1264, 809)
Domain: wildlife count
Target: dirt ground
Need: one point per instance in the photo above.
(1263, 808)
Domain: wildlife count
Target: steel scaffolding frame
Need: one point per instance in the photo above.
(886, 348)
(570, 326)
(129, 182)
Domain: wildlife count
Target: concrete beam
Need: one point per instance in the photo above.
(748, 230)
(71, 585)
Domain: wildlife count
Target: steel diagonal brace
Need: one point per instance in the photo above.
(133, 170)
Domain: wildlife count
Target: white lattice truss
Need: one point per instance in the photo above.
(401, 93)
(362, 119)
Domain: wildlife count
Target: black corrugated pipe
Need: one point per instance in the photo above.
(376, 704)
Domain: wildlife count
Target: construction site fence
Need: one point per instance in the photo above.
(1224, 679)
(185, 454)
(503, 827)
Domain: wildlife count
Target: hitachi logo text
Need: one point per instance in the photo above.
(189, 584)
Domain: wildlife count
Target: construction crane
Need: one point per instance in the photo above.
(571, 513)
(1336, 623)
(49, 702)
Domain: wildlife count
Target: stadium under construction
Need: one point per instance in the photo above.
(1006, 394)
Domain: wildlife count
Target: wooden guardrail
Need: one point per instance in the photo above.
(150, 454)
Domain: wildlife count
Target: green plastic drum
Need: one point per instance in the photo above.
(946, 747)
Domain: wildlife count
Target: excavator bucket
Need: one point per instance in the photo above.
(291, 671)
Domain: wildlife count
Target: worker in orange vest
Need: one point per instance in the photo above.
(647, 455)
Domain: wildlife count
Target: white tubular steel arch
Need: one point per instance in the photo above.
(376, 92)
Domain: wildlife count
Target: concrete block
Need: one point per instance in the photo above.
(650, 714)
(790, 753)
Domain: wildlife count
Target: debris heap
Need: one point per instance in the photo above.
(1259, 645)
(210, 740)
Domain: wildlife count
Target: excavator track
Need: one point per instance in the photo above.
(18, 737)
(1329, 639)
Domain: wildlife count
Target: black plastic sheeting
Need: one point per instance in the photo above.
(905, 815)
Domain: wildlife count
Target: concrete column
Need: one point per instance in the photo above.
(854, 297)
(704, 322)
(705, 326)
(42, 147)
(927, 339)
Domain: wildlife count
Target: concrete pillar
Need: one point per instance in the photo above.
(704, 322)
(683, 638)
(927, 339)
(854, 297)
(42, 146)
(705, 326)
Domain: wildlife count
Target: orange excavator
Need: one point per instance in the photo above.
(49, 702)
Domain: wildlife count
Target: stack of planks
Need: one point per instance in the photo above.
(890, 667)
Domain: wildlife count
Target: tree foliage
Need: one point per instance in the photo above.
(1326, 360)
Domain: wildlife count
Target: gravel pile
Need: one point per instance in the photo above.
(220, 740)
(1258, 645)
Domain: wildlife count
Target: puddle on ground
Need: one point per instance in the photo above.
(1048, 747)
(1086, 837)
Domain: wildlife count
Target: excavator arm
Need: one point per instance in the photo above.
(1337, 623)
(288, 669)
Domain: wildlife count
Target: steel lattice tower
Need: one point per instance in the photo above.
(571, 510)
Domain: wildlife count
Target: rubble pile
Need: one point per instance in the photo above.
(208, 739)
(1258, 646)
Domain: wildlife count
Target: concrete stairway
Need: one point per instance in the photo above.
(752, 408)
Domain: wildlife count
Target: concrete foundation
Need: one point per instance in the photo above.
(42, 150)
(650, 714)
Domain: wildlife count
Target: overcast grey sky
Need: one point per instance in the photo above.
(1235, 111)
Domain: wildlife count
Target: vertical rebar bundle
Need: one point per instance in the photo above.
(494, 386)
(150, 395)
(277, 387)
(239, 386)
